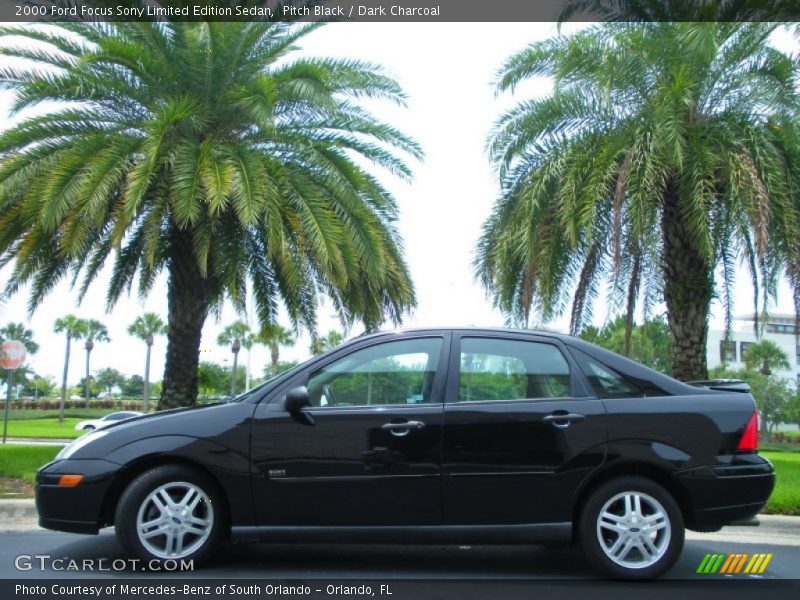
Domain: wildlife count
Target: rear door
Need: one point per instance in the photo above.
(373, 453)
(521, 431)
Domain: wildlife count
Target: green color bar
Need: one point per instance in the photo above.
(718, 563)
(701, 568)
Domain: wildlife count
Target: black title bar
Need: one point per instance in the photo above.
(400, 10)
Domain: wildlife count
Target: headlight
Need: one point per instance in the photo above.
(76, 445)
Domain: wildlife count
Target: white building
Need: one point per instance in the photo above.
(779, 328)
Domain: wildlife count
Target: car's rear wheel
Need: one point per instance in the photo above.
(170, 512)
(89, 428)
(631, 528)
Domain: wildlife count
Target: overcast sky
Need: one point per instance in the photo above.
(447, 70)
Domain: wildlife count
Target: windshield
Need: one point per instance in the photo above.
(261, 386)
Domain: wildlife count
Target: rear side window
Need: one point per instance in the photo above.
(605, 381)
(496, 369)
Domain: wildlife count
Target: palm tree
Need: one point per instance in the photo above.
(273, 336)
(248, 341)
(232, 336)
(146, 327)
(74, 328)
(208, 151)
(322, 344)
(94, 331)
(766, 356)
(18, 331)
(654, 161)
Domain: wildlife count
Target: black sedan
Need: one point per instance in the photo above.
(446, 436)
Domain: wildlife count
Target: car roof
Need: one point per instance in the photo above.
(630, 368)
(464, 329)
(643, 376)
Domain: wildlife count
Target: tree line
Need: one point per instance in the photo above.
(214, 380)
(665, 156)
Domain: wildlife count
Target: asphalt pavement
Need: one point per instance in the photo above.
(373, 562)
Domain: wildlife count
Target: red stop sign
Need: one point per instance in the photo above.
(12, 355)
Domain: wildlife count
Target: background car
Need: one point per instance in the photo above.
(511, 437)
(92, 424)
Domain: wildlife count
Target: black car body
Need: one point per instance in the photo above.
(491, 435)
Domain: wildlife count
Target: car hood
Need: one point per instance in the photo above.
(208, 421)
(161, 414)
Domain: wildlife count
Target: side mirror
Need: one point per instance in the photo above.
(296, 400)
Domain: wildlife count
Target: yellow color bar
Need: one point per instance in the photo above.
(755, 558)
(765, 563)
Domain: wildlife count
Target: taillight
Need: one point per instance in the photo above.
(749, 439)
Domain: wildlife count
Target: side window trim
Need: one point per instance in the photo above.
(302, 377)
(582, 357)
(577, 388)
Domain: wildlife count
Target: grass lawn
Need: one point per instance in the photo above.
(785, 499)
(44, 428)
(21, 462)
(778, 447)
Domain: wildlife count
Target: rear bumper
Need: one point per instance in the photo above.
(77, 509)
(721, 495)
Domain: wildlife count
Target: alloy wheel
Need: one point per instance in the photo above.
(633, 530)
(174, 520)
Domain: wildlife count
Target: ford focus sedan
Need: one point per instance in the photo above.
(442, 436)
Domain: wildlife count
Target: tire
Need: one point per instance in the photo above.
(89, 428)
(181, 510)
(616, 545)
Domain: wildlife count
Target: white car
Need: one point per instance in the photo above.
(93, 424)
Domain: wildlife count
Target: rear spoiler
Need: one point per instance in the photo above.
(723, 385)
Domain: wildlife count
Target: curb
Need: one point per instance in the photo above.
(17, 512)
(39, 441)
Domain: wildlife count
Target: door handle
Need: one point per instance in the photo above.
(563, 420)
(401, 429)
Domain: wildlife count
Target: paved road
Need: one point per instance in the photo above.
(320, 562)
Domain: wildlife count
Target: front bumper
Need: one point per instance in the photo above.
(724, 494)
(79, 508)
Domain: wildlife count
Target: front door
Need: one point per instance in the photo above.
(373, 453)
(520, 432)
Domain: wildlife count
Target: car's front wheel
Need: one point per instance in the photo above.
(170, 512)
(631, 528)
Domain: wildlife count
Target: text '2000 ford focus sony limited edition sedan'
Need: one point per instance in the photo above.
(446, 436)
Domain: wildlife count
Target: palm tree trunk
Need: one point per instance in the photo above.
(633, 293)
(64, 382)
(146, 398)
(247, 373)
(274, 355)
(187, 300)
(688, 288)
(233, 373)
(86, 380)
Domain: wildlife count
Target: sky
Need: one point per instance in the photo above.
(447, 71)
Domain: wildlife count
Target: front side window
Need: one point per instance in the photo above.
(495, 369)
(395, 373)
